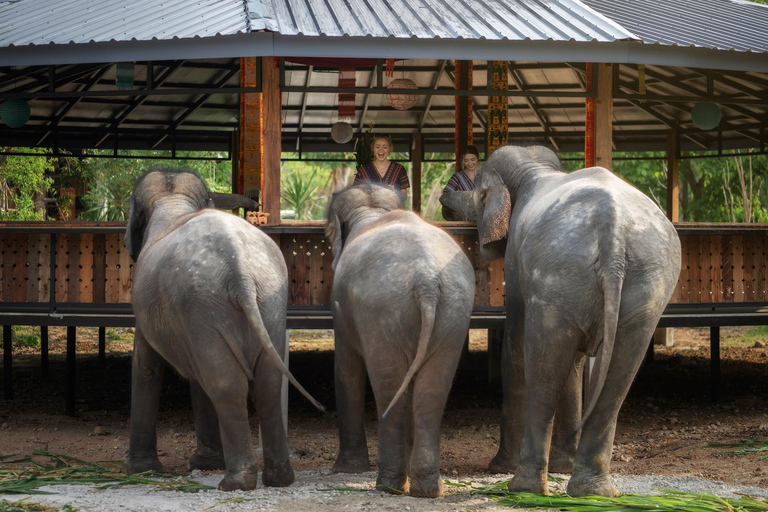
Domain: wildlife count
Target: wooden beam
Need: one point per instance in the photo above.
(673, 178)
(604, 116)
(417, 154)
(271, 133)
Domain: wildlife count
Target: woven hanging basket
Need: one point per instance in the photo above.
(401, 100)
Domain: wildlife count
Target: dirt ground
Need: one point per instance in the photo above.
(663, 427)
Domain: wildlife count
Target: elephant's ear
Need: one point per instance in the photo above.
(134, 233)
(334, 235)
(496, 213)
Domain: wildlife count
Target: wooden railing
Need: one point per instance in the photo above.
(58, 263)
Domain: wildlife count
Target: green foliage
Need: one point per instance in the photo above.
(110, 181)
(363, 150)
(21, 178)
(299, 192)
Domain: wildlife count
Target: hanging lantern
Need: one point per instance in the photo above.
(342, 132)
(124, 72)
(399, 100)
(706, 116)
(14, 112)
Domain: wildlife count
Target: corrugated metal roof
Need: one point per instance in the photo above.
(718, 24)
(37, 22)
(537, 20)
(81, 21)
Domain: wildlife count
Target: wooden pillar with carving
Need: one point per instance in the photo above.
(463, 82)
(598, 137)
(673, 178)
(272, 128)
(258, 172)
(497, 129)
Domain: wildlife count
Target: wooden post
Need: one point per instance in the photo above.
(673, 178)
(604, 116)
(417, 151)
(463, 82)
(271, 133)
(7, 362)
(70, 380)
(235, 162)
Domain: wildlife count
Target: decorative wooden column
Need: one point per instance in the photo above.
(417, 152)
(272, 127)
(598, 138)
(463, 82)
(497, 129)
(249, 147)
(260, 136)
(673, 177)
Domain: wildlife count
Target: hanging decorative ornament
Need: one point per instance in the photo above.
(706, 116)
(399, 100)
(342, 132)
(14, 112)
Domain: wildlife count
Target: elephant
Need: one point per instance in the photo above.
(590, 264)
(401, 300)
(209, 297)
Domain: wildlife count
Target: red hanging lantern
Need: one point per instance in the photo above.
(402, 100)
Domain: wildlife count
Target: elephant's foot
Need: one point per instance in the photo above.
(351, 465)
(207, 461)
(135, 464)
(426, 486)
(502, 464)
(526, 480)
(591, 485)
(245, 480)
(277, 474)
(560, 463)
(394, 484)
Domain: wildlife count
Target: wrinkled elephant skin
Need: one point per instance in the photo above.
(402, 298)
(198, 276)
(590, 264)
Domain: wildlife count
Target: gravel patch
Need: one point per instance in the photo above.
(324, 491)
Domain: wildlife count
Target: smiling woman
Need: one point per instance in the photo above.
(381, 169)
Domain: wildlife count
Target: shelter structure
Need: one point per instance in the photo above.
(256, 80)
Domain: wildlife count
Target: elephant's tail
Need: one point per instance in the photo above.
(257, 323)
(612, 282)
(428, 307)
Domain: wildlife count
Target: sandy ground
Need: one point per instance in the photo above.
(663, 429)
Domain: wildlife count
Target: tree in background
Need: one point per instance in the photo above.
(22, 179)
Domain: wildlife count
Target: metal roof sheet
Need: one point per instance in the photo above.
(718, 24)
(25, 22)
(36, 22)
(538, 20)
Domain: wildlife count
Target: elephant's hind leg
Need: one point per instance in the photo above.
(349, 375)
(430, 393)
(266, 392)
(592, 465)
(209, 454)
(146, 384)
(550, 352)
(229, 396)
(565, 438)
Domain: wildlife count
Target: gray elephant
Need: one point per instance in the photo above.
(402, 298)
(209, 296)
(590, 264)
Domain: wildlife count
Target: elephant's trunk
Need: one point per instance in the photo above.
(231, 201)
(462, 202)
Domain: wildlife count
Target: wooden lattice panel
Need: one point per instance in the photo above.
(722, 268)
(310, 276)
(489, 277)
(89, 268)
